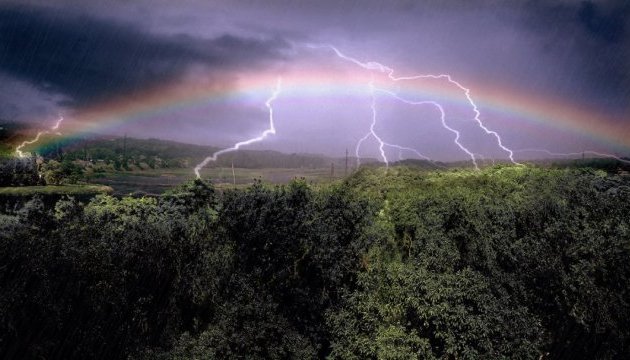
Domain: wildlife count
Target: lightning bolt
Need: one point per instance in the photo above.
(375, 66)
(378, 67)
(358, 147)
(262, 136)
(18, 149)
(419, 154)
(403, 148)
(575, 154)
(383, 144)
(442, 119)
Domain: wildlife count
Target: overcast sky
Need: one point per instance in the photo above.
(72, 57)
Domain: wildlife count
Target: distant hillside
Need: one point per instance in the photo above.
(157, 153)
(130, 153)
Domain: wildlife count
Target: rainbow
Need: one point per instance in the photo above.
(506, 102)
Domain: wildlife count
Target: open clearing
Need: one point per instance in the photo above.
(55, 190)
(156, 181)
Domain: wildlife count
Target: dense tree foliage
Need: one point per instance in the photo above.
(509, 262)
(15, 171)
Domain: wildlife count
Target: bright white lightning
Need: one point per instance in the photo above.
(372, 65)
(419, 154)
(56, 126)
(262, 136)
(404, 148)
(375, 66)
(381, 143)
(442, 119)
(18, 150)
(575, 154)
(358, 147)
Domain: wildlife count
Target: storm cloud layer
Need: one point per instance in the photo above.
(71, 54)
(87, 59)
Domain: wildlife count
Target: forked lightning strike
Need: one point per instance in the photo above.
(372, 132)
(418, 154)
(18, 150)
(375, 66)
(372, 65)
(442, 119)
(270, 130)
(404, 148)
(381, 143)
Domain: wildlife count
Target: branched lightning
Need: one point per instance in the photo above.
(404, 148)
(381, 143)
(419, 154)
(375, 66)
(358, 147)
(372, 133)
(442, 119)
(262, 136)
(54, 128)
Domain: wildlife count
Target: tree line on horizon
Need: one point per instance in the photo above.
(123, 153)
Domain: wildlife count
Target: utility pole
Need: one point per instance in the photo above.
(618, 160)
(345, 172)
(233, 175)
(59, 151)
(332, 170)
(125, 151)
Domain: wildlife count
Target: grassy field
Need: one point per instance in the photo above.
(156, 181)
(55, 190)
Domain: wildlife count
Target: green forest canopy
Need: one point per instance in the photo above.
(508, 262)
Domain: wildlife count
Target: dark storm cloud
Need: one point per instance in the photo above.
(608, 26)
(88, 59)
(589, 43)
(570, 51)
(603, 21)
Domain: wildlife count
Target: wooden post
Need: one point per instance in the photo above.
(345, 172)
(233, 175)
(59, 151)
(332, 170)
(125, 151)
